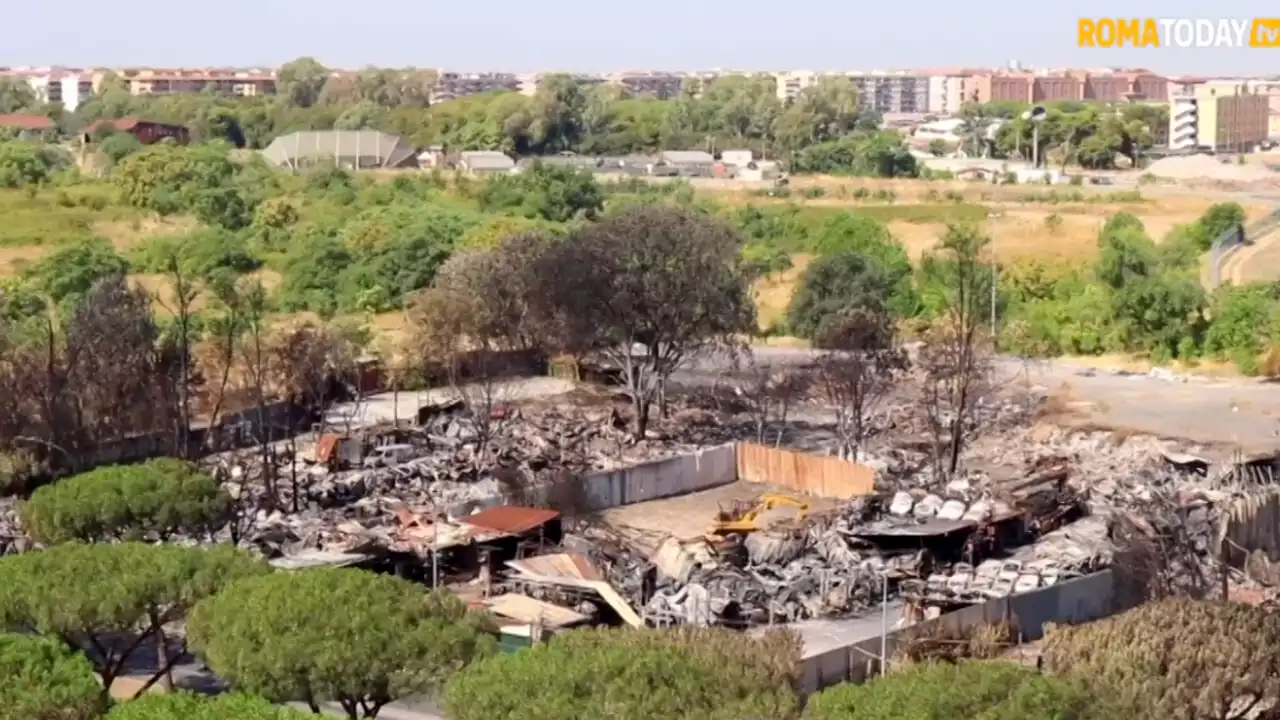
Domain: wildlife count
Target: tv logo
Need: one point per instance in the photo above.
(1151, 32)
(1265, 33)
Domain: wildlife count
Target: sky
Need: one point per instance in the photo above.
(597, 36)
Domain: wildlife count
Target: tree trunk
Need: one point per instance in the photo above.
(293, 466)
(642, 416)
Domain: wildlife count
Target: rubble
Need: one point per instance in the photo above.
(354, 509)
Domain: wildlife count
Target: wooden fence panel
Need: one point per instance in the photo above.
(808, 474)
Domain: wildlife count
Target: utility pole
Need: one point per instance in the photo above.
(995, 281)
(884, 624)
(435, 548)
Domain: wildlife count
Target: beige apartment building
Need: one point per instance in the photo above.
(244, 83)
(1223, 116)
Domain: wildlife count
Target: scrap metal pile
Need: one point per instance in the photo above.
(819, 571)
(433, 472)
(834, 566)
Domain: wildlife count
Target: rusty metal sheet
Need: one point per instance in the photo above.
(511, 519)
(326, 446)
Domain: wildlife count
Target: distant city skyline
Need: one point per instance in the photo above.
(582, 36)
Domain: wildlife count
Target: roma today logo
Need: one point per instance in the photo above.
(1178, 32)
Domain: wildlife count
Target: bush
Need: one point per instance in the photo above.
(1172, 659)
(987, 689)
(41, 679)
(760, 259)
(186, 706)
(547, 192)
(1243, 318)
(23, 164)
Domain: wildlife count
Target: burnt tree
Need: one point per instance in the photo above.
(860, 367)
(957, 353)
(768, 392)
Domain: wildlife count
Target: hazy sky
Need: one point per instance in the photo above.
(595, 35)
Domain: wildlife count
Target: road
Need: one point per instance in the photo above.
(1238, 412)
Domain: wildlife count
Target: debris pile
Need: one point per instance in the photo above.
(434, 471)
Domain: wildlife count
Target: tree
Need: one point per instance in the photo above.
(279, 636)
(858, 371)
(1176, 659)
(158, 499)
(647, 288)
(977, 120)
(547, 192)
(23, 164)
(832, 286)
(119, 145)
(309, 360)
(684, 674)
(107, 599)
(768, 391)
(987, 689)
(876, 154)
(71, 270)
(16, 95)
(954, 359)
(300, 81)
(41, 679)
(186, 706)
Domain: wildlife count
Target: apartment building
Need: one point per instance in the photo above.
(68, 86)
(452, 85)
(527, 83)
(1057, 88)
(1114, 87)
(1150, 87)
(1270, 89)
(793, 82)
(1219, 115)
(948, 92)
(893, 92)
(999, 88)
(224, 81)
(887, 92)
(648, 83)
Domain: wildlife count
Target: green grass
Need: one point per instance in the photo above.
(53, 217)
(913, 213)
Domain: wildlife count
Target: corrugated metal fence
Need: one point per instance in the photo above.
(809, 474)
(1074, 601)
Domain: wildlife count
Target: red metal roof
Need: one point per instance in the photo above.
(125, 124)
(511, 519)
(26, 121)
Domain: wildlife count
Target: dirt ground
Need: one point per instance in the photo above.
(687, 517)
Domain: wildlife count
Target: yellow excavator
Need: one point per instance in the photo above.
(769, 510)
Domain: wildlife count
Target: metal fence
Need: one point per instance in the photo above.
(826, 477)
(1074, 601)
(1234, 239)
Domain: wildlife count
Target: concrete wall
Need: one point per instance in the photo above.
(705, 469)
(1074, 601)
(702, 470)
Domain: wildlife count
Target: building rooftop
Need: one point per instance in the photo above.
(26, 121)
